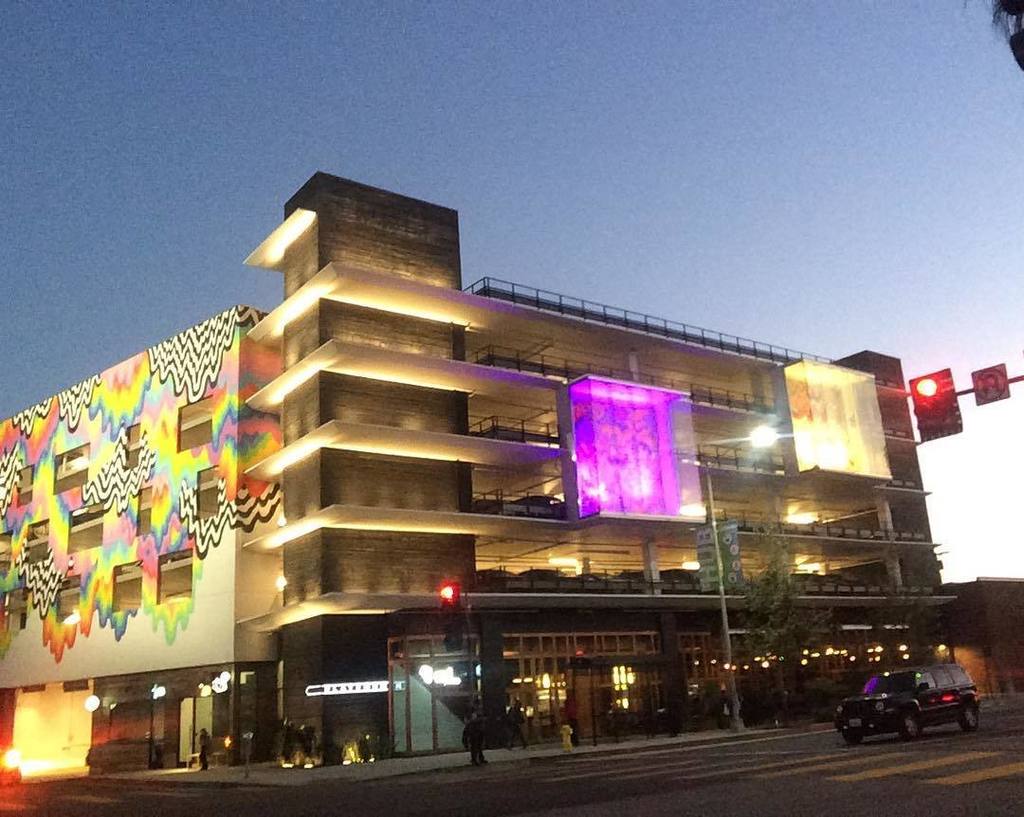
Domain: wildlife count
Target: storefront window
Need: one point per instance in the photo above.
(432, 692)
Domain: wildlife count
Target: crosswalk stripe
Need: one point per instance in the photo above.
(817, 767)
(989, 773)
(617, 772)
(88, 798)
(697, 746)
(730, 769)
(919, 766)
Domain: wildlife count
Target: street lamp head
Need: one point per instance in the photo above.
(763, 437)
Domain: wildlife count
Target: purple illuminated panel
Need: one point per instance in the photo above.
(625, 449)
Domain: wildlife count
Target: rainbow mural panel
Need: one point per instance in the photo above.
(128, 417)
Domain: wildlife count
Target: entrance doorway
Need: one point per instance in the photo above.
(195, 714)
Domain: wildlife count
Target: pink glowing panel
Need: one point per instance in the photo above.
(625, 447)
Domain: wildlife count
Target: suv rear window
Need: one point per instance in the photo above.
(959, 675)
(942, 677)
(891, 683)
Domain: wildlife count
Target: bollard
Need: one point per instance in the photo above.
(566, 731)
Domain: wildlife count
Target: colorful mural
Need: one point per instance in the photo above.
(625, 446)
(121, 433)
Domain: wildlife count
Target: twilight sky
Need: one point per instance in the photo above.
(826, 176)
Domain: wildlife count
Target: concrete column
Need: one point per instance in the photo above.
(676, 697)
(651, 572)
(892, 558)
(492, 677)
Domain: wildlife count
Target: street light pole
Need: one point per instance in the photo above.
(735, 721)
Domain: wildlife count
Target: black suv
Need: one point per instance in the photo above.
(906, 701)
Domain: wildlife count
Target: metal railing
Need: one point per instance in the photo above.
(511, 429)
(637, 321)
(539, 580)
(738, 459)
(504, 357)
(822, 529)
(508, 503)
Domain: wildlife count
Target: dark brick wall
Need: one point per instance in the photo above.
(303, 568)
(358, 561)
(301, 484)
(350, 478)
(360, 400)
(385, 330)
(302, 653)
(301, 336)
(369, 228)
(300, 412)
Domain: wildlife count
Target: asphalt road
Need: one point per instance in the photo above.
(945, 773)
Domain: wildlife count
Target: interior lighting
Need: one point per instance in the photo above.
(695, 510)
(906, 656)
(280, 583)
(765, 665)
(942, 648)
(92, 703)
(12, 759)
(691, 565)
(802, 518)
(803, 662)
(903, 647)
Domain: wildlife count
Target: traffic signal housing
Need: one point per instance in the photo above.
(453, 622)
(450, 594)
(936, 405)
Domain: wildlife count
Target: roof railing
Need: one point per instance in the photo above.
(637, 321)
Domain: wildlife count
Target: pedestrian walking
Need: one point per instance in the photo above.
(516, 718)
(204, 750)
(473, 735)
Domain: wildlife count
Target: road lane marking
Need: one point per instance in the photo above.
(918, 766)
(838, 764)
(989, 773)
(731, 768)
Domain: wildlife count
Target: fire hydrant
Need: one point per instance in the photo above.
(566, 731)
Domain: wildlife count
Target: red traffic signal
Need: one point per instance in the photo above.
(450, 594)
(936, 405)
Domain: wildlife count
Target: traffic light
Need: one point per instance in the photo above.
(452, 619)
(450, 594)
(936, 405)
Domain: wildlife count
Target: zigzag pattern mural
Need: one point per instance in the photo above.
(192, 360)
(116, 484)
(93, 419)
(10, 465)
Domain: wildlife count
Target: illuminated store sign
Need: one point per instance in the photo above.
(626, 438)
(354, 688)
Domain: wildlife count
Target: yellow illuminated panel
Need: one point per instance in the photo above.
(837, 425)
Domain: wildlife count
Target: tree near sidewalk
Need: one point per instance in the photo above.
(1008, 18)
(777, 625)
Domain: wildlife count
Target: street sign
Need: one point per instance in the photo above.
(991, 384)
(729, 547)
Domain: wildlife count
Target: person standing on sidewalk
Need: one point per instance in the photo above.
(516, 722)
(473, 734)
(204, 750)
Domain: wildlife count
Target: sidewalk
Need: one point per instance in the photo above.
(271, 774)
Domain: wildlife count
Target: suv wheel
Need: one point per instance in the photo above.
(910, 726)
(853, 736)
(968, 718)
